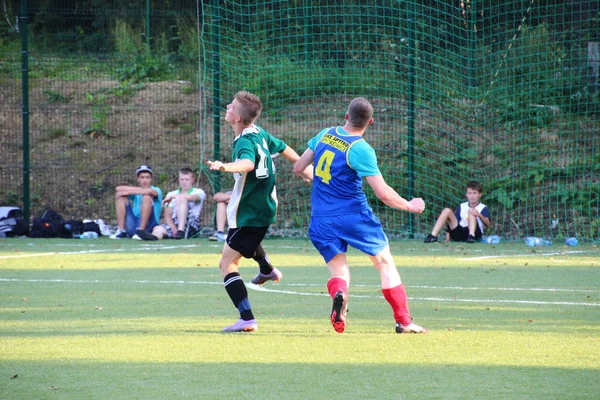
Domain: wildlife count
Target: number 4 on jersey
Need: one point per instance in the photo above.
(323, 169)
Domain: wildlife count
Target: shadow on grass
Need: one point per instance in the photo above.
(323, 379)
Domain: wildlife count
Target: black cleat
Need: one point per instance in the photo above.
(430, 239)
(142, 234)
(338, 312)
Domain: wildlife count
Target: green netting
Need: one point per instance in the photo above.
(506, 94)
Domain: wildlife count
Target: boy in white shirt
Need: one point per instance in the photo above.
(182, 211)
(467, 222)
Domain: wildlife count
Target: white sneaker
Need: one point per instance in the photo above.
(136, 237)
(411, 328)
(104, 230)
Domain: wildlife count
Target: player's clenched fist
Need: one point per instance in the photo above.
(216, 165)
(416, 205)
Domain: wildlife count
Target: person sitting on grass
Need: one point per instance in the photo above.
(137, 207)
(182, 211)
(221, 200)
(467, 222)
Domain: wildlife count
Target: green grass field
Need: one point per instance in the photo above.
(103, 319)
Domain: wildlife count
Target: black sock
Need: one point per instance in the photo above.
(234, 285)
(263, 261)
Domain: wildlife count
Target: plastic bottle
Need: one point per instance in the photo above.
(571, 241)
(494, 239)
(89, 235)
(536, 241)
(554, 222)
(69, 229)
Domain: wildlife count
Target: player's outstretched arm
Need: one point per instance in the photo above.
(243, 165)
(303, 167)
(293, 157)
(391, 198)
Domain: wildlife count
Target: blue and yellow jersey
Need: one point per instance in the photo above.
(341, 160)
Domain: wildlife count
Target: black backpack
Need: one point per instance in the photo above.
(49, 225)
(12, 222)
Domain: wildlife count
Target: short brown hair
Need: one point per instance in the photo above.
(475, 185)
(359, 112)
(187, 171)
(250, 106)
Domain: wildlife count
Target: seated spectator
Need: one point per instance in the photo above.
(182, 211)
(137, 207)
(467, 222)
(221, 199)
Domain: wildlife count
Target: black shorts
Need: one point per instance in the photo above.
(461, 233)
(246, 239)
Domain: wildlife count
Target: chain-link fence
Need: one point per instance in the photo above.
(505, 94)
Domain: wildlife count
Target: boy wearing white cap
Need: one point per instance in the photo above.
(137, 207)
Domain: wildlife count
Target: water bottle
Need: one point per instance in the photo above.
(571, 241)
(89, 235)
(554, 222)
(69, 229)
(536, 241)
(494, 239)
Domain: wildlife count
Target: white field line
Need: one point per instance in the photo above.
(438, 299)
(263, 289)
(144, 248)
(473, 288)
(556, 253)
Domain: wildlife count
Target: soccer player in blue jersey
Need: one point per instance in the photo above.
(341, 215)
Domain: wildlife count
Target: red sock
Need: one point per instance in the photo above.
(335, 285)
(396, 296)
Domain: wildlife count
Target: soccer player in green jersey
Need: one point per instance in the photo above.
(253, 202)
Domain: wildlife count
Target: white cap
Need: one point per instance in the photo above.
(143, 168)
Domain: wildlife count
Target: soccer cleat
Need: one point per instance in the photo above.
(143, 235)
(411, 328)
(119, 234)
(136, 237)
(431, 239)
(242, 326)
(471, 239)
(261, 278)
(338, 312)
(180, 235)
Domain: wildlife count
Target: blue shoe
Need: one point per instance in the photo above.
(218, 237)
(242, 326)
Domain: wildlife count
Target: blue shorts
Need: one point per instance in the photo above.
(132, 222)
(331, 235)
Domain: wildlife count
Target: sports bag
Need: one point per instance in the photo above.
(12, 223)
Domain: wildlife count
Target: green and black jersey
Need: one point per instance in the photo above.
(254, 199)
